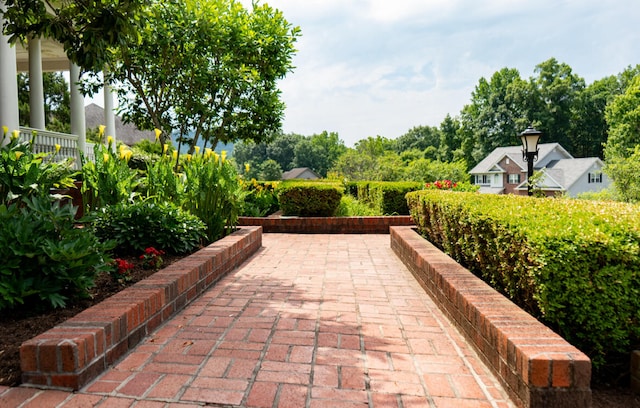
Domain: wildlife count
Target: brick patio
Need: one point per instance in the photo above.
(308, 321)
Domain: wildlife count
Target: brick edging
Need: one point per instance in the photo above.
(537, 367)
(78, 350)
(327, 225)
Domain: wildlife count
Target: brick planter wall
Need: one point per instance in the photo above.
(536, 366)
(73, 353)
(327, 225)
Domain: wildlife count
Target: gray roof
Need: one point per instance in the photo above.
(515, 154)
(298, 172)
(127, 133)
(567, 172)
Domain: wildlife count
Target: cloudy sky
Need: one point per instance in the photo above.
(380, 67)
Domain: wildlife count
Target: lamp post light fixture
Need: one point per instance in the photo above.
(529, 140)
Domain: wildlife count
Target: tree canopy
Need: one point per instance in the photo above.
(207, 69)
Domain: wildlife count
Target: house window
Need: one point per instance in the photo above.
(595, 177)
(483, 179)
(514, 178)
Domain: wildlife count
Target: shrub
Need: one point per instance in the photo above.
(260, 198)
(108, 180)
(212, 192)
(351, 207)
(25, 174)
(571, 263)
(44, 258)
(141, 225)
(386, 197)
(309, 199)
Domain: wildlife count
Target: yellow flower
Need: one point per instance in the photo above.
(158, 133)
(175, 154)
(125, 154)
(109, 140)
(101, 129)
(197, 149)
(247, 167)
(121, 148)
(223, 155)
(215, 156)
(208, 153)
(58, 148)
(105, 157)
(18, 155)
(165, 147)
(15, 135)
(5, 130)
(188, 157)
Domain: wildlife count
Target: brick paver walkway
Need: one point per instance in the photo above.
(309, 321)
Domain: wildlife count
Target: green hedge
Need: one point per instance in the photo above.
(573, 264)
(386, 197)
(309, 199)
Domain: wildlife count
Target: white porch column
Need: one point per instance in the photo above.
(9, 115)
(109, 114)
(36, 86)
(78, 126)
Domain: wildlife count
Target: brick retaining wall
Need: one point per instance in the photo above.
(536, 366)
(78, 350)
(327, 225)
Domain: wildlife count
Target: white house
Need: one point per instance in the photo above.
(43, 55)
(504, 171)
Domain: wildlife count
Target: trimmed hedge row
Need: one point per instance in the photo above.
(309, 198)
(573, 264)
(386, 197)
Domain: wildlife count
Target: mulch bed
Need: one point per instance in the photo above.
(18, 326)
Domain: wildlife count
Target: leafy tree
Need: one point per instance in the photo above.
(558, 88)
(625, 172)
(390, 167)
(57, 101)
(375, 146)
(419, 137)
(249, 152)
(354, 166)
(319, 152)
(308, 154)
(449, 138)
(623, 117)
(282, 149)
(88, 31)
(270, 170)
(206, 68)
(495, 115)
(428, 171)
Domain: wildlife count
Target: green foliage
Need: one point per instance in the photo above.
(309, 199)
(352, 207)
(571, 263)
(386, 198)
(212, 191)
(625, 173)
(270, 170)
(45, 260)
(57, 101)
(206, 69)
(88, 31)
(108, 180)
(260, 198)
(25, 174)
(623, 117)
(141, 225)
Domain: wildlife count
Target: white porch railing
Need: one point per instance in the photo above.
(45, 142)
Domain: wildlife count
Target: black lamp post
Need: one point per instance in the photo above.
(530, 139)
